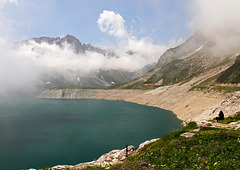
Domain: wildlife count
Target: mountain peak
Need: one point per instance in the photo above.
(70, 36)
(71, 39)
(76, 45)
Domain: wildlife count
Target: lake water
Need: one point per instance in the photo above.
(36, 133)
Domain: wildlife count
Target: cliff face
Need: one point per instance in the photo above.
(230, 105)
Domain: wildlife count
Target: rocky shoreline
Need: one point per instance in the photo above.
(110, 158)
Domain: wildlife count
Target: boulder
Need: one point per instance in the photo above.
(187, 135)
(142, 145)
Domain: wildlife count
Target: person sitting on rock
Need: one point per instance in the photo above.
(220, 116)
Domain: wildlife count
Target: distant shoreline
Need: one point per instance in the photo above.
(184, 105)
(188, 105)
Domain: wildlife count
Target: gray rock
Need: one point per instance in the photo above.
(230, 106)
(187, 135)
(142, 145)
(113, 157)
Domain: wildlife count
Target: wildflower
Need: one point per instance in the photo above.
(204, 159)
(208, 147)
(143, 163)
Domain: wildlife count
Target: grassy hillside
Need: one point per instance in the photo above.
(175, 71)
(229, 77)
(210, 148)
(232, 74)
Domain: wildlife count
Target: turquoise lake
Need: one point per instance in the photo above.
(37, 133)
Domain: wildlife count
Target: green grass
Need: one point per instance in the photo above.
(201, 88)
(232, 74)
(210, 85)
(140, 85)
(226, 76)
(224, 89)
(190, 126)
(115, 86)
(210, 80)
(210, 148)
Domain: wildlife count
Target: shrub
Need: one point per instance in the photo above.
(190, 126)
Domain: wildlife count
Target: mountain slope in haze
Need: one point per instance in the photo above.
(182, 63)
(80, 75)
(232, 74)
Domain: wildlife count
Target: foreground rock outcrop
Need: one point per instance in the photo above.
(110, 158)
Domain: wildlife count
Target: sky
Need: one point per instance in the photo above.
(161, 21)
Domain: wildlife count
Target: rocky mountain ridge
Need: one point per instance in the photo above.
(97, 78)
(182, 63)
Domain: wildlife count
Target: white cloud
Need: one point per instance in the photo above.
(112, 23)
(211, 17)
(143, 50)
(219, 20)
(56, 58)
(133, 54)
(16, 72)
(173, 42)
